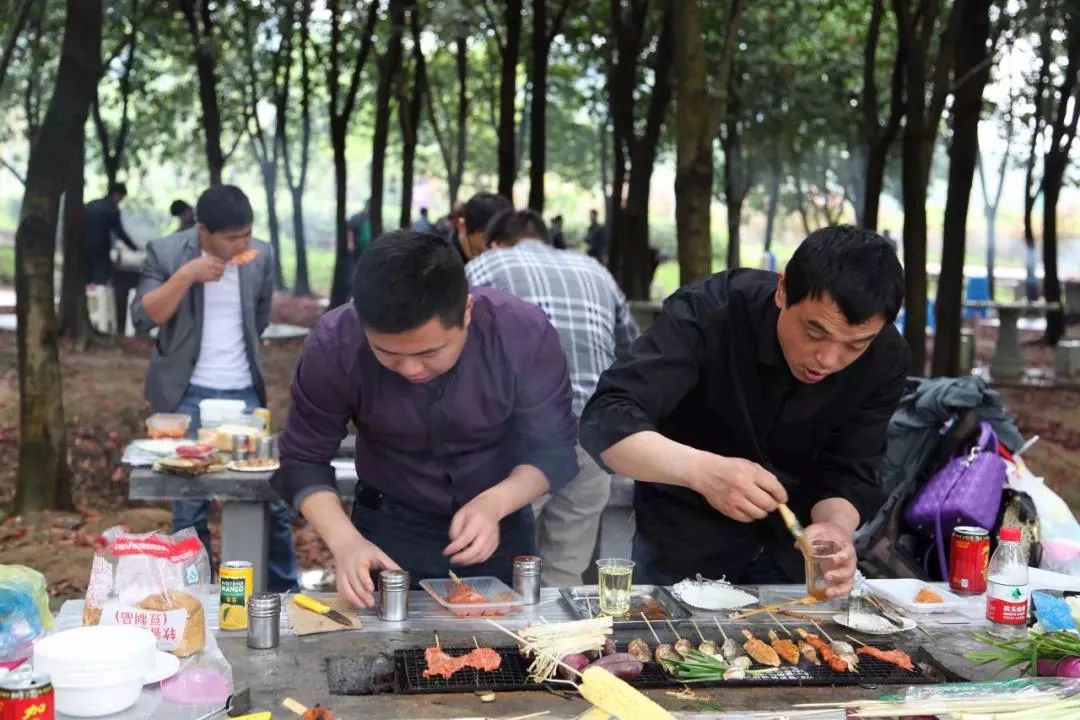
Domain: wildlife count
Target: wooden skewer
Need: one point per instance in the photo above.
(293, 706)
(672, 626)
(455, 578)
(649, 624)
(825, 634)
(535, 649)
(720, 628)
(782, 626)
(808, 600)
(857, 640)
(530, 715)
(475, 643)
(588, 605)
(694, 623)
(437, 641)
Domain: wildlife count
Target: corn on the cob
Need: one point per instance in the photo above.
(618, 698)
(594, 713)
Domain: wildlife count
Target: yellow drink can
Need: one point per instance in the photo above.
(265, 415)
(236, 579)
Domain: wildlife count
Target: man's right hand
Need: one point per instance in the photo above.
(740, 489)
(204, 269)
(354, 565)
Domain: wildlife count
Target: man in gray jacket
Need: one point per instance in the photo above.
(210, 302)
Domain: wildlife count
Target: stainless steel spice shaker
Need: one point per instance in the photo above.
(264, 450)
(393, 595)
(527, 578)
(264, 621)
(239, 447)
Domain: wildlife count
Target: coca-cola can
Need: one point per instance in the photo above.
(968, 559)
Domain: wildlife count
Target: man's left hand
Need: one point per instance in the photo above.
(474, 533)
(840, 576)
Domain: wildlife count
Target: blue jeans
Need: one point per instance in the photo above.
(281, 573)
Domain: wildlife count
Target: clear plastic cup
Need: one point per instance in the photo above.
(823, 557)
(616, 578)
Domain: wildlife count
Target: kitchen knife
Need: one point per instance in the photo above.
(317, 607)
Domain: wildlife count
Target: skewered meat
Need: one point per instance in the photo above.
(318, 713)
(683, 647)
(834, 661)
(735, 673)
(743, 661)
(762, 653)
(666, 652)
(462, 594)
(786, 649)
(731, 650)
(898, 658)
(640, 650)
(708, 647)
(846, 653)
(807, 651)
(439, 664)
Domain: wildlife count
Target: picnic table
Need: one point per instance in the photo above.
(1008, 361)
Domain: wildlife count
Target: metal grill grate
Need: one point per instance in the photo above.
(512, 674)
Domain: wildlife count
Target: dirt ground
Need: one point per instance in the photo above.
(103, 399)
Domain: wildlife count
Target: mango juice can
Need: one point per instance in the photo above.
(265, 415)
(237, 579)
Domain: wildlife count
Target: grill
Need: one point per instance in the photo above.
(512, 674)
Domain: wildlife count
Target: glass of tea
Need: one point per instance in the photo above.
(616, 580)
(821, 557)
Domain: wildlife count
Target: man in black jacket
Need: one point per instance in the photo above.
(102, 223)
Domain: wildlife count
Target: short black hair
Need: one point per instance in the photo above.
(423, 211)
(510, 226)
(405, 278)
(178, 208)
(118, 188)
(557, 219)
(481, 208)
(856, 267)
(224, 207)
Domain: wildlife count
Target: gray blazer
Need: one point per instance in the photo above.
(179, 340)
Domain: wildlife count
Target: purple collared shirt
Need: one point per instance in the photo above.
(437, 445)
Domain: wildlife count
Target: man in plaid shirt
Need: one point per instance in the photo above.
(594, 324)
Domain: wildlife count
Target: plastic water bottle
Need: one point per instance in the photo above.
(1007, 587)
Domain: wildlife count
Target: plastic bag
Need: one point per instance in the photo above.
(148, 580)
(24, 612)
(1058, 528)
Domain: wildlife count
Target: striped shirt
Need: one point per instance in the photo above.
(579, 297)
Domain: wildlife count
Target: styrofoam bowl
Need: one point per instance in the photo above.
(96, 701)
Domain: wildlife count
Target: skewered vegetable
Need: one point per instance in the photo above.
(621, 665)
(640, 650)
(786, 649)
(699, 667)
(550, 642)
(759, 651)
(617, 698)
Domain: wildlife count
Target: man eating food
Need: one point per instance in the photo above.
(462, 404)
(753, 389)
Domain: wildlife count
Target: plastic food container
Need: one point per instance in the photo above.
(167, 425)
(96, 670)
(215, 412)
(501, 598)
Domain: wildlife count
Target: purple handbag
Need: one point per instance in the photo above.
(966, 491)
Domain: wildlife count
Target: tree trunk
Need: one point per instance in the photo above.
(875, 183)
(301, 283)
(734, 222)
(878, 139)
(733, 193)
(971, 64)
(74, 321)
(389, 66)
(1055, 319)
(776, 167)
(43, 478)
(461, 64)
(991, 247)
(205, 70)
(409, 109)
(511, 50)
(16, 30)
(694, 129)
(341, 289)
(538, 109)
(269, 178)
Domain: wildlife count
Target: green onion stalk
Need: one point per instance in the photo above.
(696, 666)
(1027, 651)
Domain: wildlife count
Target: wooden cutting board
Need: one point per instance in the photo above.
(305, 622)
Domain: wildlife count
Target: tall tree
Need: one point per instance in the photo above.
(697, 115)
(1063, 124)
(389, 67)
(22, 15)
(928, 66)
(74, 315)
(878, 137)
(1039, 102)
(542, 38)
(43, 478)
(992, 199)
(508, 39)
(450, 135)
(342, 101)
(297, 179)
(112, 149)
(639, 43)
(410, 105)
(973, 72)
(199, 16)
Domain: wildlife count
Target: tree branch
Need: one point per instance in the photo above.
(11, 169)
(494, 24)
(361, 58)
(556, 23)
(16, 30)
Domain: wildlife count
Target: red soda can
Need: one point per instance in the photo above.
(26, 696)
(968, 559)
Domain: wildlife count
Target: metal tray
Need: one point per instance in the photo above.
(655, 601)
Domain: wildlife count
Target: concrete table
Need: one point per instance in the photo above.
(245, 497)
(298, 667)
(1008, 361)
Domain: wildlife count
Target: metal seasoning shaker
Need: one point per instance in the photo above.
(264, 619)
(527, 578)
(264, 449)
(239, 447)
(393, 595)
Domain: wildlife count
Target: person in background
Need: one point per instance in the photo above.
(472, 224)
(422, 224)
(593, 320)
(752, 389)
(453, 221)
(558, 240)
(358, 231)
(461, 402)
(210, 312)
(184, 214)
(596, 239)
(103, 223)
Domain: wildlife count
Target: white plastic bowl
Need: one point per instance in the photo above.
(96, 670)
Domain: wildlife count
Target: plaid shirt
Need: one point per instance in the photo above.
(579, 297)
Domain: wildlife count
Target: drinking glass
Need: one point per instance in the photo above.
(616, 579)
(822, 557)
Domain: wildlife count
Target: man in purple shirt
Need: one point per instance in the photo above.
(462, 405)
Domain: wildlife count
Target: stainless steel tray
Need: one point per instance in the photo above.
(655, 601)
